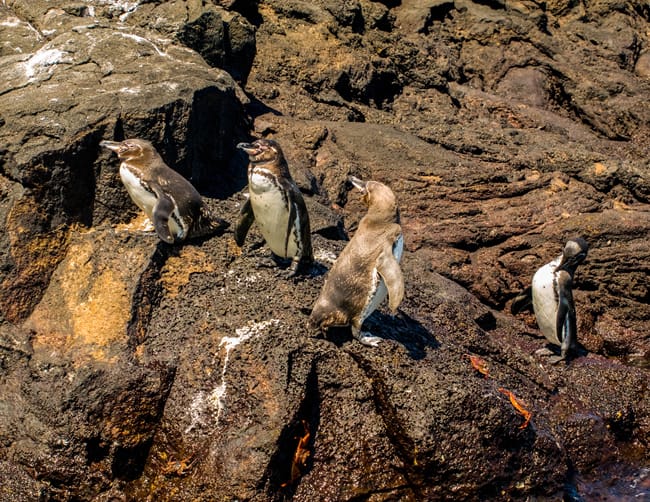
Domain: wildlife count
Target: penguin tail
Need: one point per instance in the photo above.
(208, 223)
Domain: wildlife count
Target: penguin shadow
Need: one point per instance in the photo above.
(403, 329)
(267, 259)
(553, 353)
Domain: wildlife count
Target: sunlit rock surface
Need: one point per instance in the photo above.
(134, 370)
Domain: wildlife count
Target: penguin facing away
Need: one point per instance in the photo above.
(551, 297)
(174, 206)
(276, 205)
(367, 270)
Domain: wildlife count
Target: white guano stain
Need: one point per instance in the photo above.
(44, 60)
(323, 255)
(143, 40)
(214, 402)
(11, 22)
(126, 7)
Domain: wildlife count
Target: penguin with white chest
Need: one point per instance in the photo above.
(367, 270)
(173, 205)
(276, 205)
(552, 298)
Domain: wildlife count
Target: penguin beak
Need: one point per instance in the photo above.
(111, 145)
(249, 148)
(357, 183)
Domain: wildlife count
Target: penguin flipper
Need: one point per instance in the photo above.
(306, 252)
(244, 224)
(161, 213)
(523, 301)
(390, 271)
(566, 324)
(298, 219)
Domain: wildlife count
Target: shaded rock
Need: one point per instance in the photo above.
(82, 408)
(17, 484)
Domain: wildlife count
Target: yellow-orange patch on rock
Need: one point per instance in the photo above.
(599, 168)
(87, 306)
(178, 269)
(233, 248)
(558, 185)
(620, 206)
(140, 223)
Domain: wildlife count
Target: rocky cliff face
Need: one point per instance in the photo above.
(134, 370)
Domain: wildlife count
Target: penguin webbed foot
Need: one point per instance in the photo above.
(369, 340)
(365, 338)
(553, 357)
(299, 267)
(554, 360)
(266, 262)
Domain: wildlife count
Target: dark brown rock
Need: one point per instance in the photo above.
(132, 370)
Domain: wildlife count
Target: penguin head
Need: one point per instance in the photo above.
(262, 150)
(130, 149)
(574, 253)
(379, 199)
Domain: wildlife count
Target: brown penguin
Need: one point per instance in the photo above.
(169, 200)
(367, 270)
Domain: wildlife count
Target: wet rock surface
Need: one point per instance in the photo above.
(134, 370)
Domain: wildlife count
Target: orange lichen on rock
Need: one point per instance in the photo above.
(35, 256)
(87, 306)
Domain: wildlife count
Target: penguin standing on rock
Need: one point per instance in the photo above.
(175, 208)
(367, 270)
(276, 205)
(552, 298)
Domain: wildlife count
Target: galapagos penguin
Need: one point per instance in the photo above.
(552, 298)
(367, 270)
(174, 206)
(276, 205)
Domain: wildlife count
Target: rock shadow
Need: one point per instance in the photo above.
(255, 108)
(293, 457)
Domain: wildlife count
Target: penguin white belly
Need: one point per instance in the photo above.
(378, 291)
(545, 302)
(144, 199)
(272, 216)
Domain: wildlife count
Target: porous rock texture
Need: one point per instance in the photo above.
(135, 370)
